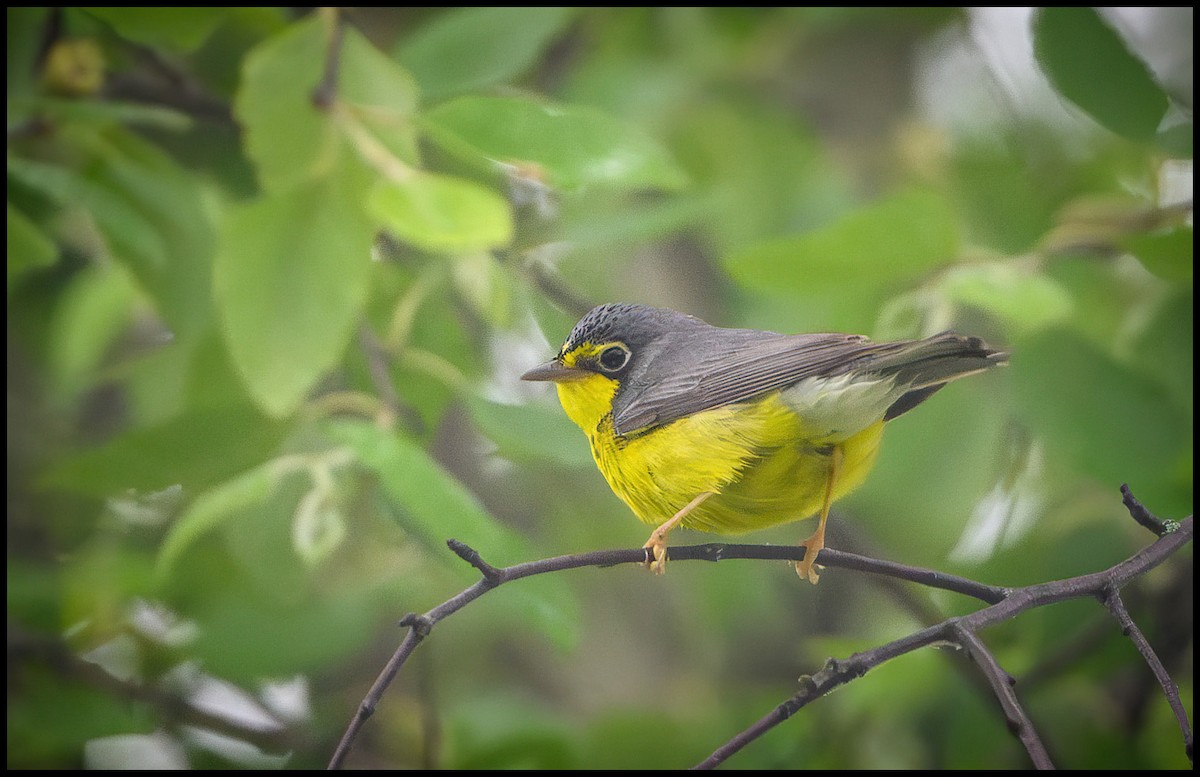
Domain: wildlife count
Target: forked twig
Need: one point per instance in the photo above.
(1096, 584)
(962, 631)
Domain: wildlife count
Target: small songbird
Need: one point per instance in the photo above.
(732, 430)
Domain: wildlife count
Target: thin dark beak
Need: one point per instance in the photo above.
(554, 370)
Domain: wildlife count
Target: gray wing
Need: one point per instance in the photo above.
(687, 372)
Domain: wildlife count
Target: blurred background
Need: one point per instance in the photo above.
(273, 275)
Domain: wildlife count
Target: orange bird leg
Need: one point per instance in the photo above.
(658, 537)
(807, 567)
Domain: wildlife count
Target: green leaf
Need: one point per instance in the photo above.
(1022, 298)
(95, 309)
(444, 214)
(512, 733)
(261, 611)
(1103, 418)
(935, 463)
(1176, 140)
(1167, 254)
(1008, 201)
(1164, 348)
(58, 184)
(486, 286)
(291, 279)
(767, 173)
(148, 210)
(849, 267)
(434, 327)
(25, 26)
(28, 247)
(287, 136)
(439, 507)
(604, 229)
(101, 113)
(55, 715)
(1101, 294)
(534, 433)
(467, 49)
(245, 638)
(1091, 66)
(173, 261)
(569, 146)
(211, 509)
(382, 95)
(195, 449)
(178, 28)
(34, 595)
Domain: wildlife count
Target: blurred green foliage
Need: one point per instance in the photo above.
(272, 278)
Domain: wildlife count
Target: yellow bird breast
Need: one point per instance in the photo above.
(756, 457)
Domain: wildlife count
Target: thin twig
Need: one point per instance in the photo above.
(835, 673)
(1018, 601)
(165, 82)
(1007, 604)
(1112, 600)
(325, 93)
(927, 577)
(1143, 516)
(541, 270)
(377, 366)
(366, 708)
(918, 603)
(493, 577)
(381, 379)
(1001, 682)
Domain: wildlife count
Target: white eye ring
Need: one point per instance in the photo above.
(613, 358)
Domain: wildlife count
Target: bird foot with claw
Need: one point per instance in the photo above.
(656, 559)
(808, 568)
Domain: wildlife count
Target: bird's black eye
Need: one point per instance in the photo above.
(613, 358)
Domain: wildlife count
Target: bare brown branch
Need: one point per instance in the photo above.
(1001, 682)
(1004, 604)
(1116, 606)
(1143, 516)
(1093, 585)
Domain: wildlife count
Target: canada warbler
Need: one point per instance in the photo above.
(730, 430)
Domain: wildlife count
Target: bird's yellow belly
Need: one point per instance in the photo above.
(755, 457)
